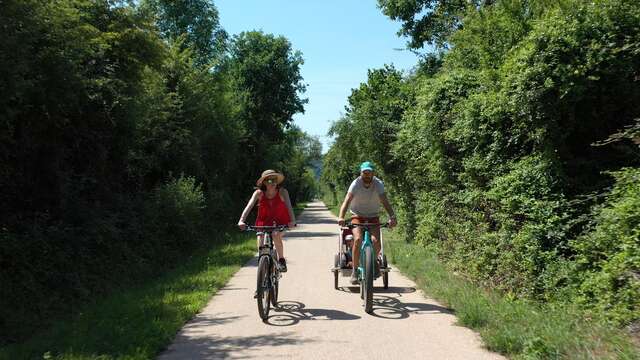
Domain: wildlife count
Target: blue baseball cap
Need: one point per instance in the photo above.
(367, 165)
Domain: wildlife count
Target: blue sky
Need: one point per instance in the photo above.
(339, 41)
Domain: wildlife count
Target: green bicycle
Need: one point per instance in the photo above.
(367, 267)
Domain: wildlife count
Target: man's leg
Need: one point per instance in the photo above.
(357, 241)
(375, 235)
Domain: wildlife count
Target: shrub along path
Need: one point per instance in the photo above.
(315, 321)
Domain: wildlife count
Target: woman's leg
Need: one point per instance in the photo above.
(260, 241)
(277, 241)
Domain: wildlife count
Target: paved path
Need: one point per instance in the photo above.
(315, 321)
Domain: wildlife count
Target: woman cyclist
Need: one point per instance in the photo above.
(274, 208)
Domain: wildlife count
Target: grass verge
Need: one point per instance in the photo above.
(517, 328)
(138, 323)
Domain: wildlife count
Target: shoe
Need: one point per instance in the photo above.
(283, 265)
(354, 277)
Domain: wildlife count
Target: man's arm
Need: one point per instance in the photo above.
(344, 207)
(389, 209)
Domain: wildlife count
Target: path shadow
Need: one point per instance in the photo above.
(226, 347)
(349, 289)
(322, 220)
(390, 307)
(289, 313)
(203, 320)
(316, 208)
(308, 234)
(232, 288)
(379, 290)
(394, 290)
(253, 262)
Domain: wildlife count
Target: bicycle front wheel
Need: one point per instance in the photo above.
(275, 285)
(262, 287)
(368, 279)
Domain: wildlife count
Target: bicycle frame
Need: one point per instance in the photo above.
(367, 264)
(366, 242)
(267, 248)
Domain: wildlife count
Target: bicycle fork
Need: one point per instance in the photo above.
(366, 241)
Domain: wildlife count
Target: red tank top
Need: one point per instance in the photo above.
(272, 210)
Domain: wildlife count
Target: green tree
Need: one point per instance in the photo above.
(71, 71)
(196, 21)
(267, 85)
(427, 21)
(494, 140)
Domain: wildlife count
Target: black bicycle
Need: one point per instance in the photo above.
(268, 270)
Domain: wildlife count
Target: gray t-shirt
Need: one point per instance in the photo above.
(366, 201)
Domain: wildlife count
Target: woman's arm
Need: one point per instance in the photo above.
(285, 197)
(248, 208)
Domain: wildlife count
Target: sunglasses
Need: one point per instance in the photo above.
(271, 181)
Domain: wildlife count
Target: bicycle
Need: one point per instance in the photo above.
(267, 285)
(366, 267)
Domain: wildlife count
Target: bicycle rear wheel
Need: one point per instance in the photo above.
(336, 265)
(262, 287)
(368, 279)
(385, 274)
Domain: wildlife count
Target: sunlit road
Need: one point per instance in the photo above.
(315, 321)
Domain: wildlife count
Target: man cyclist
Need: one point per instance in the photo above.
(364, 197)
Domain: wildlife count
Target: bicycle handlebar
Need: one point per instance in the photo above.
(351, 225)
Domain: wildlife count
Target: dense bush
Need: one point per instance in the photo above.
(102, 104)
(493, 163)
(608, 255)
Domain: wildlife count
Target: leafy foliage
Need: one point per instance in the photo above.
(124, 144)
(430, 21)
(196, 22)
(608, 256)
(491, 160)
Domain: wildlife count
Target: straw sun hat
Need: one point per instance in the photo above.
(268, 173)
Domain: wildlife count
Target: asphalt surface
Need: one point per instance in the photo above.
(316, 321)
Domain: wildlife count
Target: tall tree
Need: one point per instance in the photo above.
(265, 72)
(427, 21)
(196, 21)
